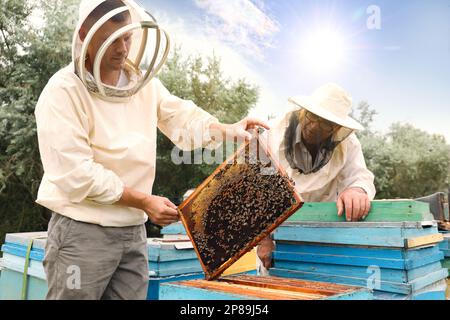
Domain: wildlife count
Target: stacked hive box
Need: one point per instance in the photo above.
(246, 264)
(169, 260)
(395, 252)
(13, 284)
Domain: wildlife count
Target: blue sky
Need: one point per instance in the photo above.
(402, 69)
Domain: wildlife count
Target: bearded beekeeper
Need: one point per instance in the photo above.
(97, 122)
(315, 143)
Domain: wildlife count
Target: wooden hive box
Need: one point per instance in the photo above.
(378, 234)
(381, 211)
(260, 288)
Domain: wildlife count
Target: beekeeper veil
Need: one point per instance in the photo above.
(149, 46)
(321, 121)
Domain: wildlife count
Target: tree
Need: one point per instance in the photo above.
(201, 81)
(407, 162)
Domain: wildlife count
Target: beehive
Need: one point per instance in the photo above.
(246, 198)
(246, 287)
(400, 260)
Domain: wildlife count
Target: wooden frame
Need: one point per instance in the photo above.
(183, 209)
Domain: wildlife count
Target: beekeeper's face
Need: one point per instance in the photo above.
(116, 54)
(316, 130)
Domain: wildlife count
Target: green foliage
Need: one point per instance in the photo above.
(407, 162)
(201, 81)
(30, 55)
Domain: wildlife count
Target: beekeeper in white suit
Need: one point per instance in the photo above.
(97, 122)
(315, 143)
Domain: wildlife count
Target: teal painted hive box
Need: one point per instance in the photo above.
(14, 256)
(169, 257)
(172, 259)
(381, 211)
(398, 252)
(176, 228)
(260, 288)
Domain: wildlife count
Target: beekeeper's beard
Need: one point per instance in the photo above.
(300, 133)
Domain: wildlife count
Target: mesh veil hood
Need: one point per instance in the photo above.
(147, 43)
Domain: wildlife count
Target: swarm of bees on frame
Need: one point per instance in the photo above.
(241, 201)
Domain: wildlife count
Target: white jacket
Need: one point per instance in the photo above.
(345, 169)
(91, 149)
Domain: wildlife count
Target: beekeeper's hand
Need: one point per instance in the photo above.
(239, 130)
(160, 210)
(355, 202)
(264, 252)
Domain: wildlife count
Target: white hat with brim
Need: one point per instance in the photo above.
(329, 102)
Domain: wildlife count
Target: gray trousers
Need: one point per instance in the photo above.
(89, 262)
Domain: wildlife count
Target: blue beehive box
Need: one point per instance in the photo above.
(169, 257)
(176, 228)
(169, 260)
(397, 260)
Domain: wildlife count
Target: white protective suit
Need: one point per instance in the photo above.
(91, 148)
(345, 169)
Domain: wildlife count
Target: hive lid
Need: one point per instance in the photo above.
(244, 199)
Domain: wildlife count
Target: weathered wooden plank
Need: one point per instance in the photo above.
(435, 291)
(403, 288)
(25, 237)
(21, 251)
(16, 263)
(174, 268)
(423, 240)
(386, 286)
(401, 264)
(381, 211)
(355, 251)
(364, 225)
(390, 275)
(380, 236)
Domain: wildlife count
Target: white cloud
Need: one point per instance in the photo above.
(242, 23)
(195, 41)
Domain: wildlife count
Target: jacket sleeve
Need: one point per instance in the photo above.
(185, 124)
(65, 150)
(355, 173)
